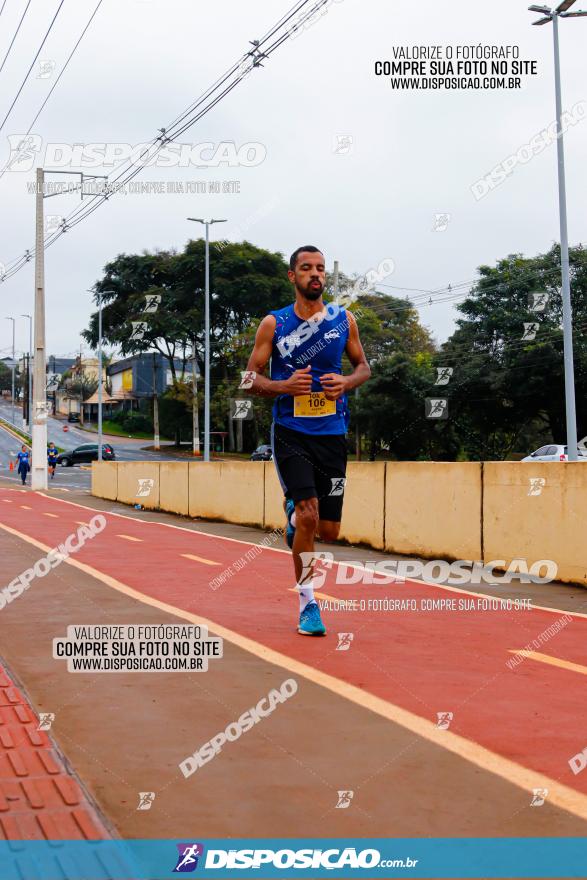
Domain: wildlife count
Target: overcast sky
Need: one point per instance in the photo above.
(409, 154)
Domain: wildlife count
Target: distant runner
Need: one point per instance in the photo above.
(305, 342)
(52, 454)
(24, 463)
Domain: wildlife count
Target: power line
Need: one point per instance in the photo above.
(255, 57)
(54, 86)
(15, 33)
(49, 29)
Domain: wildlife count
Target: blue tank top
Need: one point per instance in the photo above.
(297, 343)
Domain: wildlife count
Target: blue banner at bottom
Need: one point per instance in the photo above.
(283, 858)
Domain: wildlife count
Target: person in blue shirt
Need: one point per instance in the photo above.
(24, 463)
(52, 454)
(305, 343)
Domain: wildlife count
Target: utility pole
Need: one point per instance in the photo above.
(39, 405)
(29, 373)
(13, 366)
(195, 413)
(99, 376)
(156, 441)
(552, 15)
(207, 224)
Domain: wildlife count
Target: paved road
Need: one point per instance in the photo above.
(364, 719)
(71, 478)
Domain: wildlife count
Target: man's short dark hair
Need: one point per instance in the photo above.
(307, 247)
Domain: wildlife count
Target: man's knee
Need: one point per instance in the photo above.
(328, 530)
(307, 515)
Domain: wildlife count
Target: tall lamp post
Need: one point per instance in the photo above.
(13, 364)
(207, 224)
(100, 294)
(553, 15)
(30, 372)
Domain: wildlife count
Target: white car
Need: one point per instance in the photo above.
(554, 452)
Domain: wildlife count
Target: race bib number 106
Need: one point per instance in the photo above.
(314, 405)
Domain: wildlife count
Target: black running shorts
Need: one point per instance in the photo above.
(312, 466)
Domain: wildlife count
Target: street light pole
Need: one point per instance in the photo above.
(29, 371)
(207, 224)
(39, 415)
(552, 15)
(100, 377)
(13, 366)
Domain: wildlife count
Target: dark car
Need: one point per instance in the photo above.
(84, 454)
(73, 417)
(262, 453)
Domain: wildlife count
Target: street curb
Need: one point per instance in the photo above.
(10, 429)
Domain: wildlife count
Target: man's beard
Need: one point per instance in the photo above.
(312, 293)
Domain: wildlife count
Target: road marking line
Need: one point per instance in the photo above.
(550, 660)
(25, 507)
(199, 559)
(7, 501)
(130, 538)
(54, 515)
(559, 794)
(288, 552)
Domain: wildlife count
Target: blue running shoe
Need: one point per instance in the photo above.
(311, 622)
(289, 529)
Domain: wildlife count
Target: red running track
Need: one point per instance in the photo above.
(423, 661)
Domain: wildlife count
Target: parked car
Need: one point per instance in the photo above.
(262, 453)
(84, 454)
(553, 452)
(73, 417)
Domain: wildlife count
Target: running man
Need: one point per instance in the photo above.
(24, 463)
(305, 342)
(52, 454)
